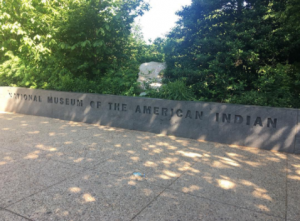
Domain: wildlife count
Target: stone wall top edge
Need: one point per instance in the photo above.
(157, 99)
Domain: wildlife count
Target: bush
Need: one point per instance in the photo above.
(176, 90)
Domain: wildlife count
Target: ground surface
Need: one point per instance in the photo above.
(58, 170)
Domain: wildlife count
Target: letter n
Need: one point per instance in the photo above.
(199, 115)
(226, 118)
(272, 123)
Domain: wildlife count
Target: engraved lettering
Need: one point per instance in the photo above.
(164, 111)
(29, 97)
(179, 113)
(56, 100)
(199, 115)
(273, 123)
(10, 94)
(188, 114)
(98, 104)
(50, 100)
(110, 106)
(172, 112)
(156, 110)
(79, 103)
(226, 118)
(238, 119)
(34, 99)
(61, 101)
(92, 104)
(25, 97)
(117, 106)
(138, 109)
(73, 102)
(147, 110)
(40, 99)
(124, 107)
(217, 117)
(258, 121)
(248, 120)
(67, 101)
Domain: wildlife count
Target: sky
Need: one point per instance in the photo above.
(161, 18)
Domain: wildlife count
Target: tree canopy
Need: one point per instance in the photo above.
(238, 51)
(68, 44)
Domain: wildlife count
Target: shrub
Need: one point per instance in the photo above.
(176, 90)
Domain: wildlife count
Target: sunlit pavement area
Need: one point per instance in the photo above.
(59, 170)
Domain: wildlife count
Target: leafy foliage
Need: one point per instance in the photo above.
(237, 51)
(82, 45)
(176, 90)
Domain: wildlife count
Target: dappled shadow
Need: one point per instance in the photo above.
(54, 169)
(252, 126)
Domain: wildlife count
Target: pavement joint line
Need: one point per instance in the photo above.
(144, 181)
(46, 188)
(164, 188)
(213, 200)
(24, 217)
(20, 152)
(70, 164)
(122, 176)
(155, 198)
(168, 188)
(102, 162)
(228, 204)
(116, 175)
(16, 151)
(84, 167)
(286, 186)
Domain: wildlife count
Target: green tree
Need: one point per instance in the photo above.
(235, 51)
(66, 44)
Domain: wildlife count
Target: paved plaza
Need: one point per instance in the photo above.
(59, 170)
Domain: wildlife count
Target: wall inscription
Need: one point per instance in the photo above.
(263, 127)
(139, 109)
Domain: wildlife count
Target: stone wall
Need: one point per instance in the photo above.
(252, 126)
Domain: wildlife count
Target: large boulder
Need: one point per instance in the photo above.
(150, 74)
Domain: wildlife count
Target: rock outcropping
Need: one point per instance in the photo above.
(150, 74)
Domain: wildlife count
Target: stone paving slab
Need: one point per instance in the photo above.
(293, 185)
(82, 154)
(59, 170)
(161, 171)
(172, 205)
(9, 216)
(27, 177)
(256, 181)
(90, 196)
